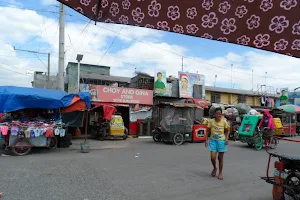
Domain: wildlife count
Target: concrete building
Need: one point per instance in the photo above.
(235, 96)
(40, 80)
(92, 74)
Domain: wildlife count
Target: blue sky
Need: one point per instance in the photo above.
(127, 52)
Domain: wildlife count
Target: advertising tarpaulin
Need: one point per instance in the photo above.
(160, 83)
(186, 83)
(111, 94)
(284, 96)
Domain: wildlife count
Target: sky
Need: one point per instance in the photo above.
(33, 25)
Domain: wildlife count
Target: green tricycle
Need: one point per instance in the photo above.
(249, 133)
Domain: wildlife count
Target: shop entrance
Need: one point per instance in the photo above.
(125, 112)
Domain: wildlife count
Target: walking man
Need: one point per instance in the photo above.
(217, 141)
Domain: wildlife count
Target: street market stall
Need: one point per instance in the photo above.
(32, 117)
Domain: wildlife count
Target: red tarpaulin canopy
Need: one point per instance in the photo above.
(108, 109)
(272, 25)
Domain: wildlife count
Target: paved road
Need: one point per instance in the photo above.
(142, 170)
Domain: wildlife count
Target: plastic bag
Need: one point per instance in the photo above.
(231, 113)
(243, 108)
(213, 108)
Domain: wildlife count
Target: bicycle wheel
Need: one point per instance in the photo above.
(258, 142)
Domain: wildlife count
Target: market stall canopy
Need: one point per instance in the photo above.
(265, 24)
(108, 109)
(290, 108)
(17, 98)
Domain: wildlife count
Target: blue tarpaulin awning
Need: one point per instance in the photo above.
(16, 98)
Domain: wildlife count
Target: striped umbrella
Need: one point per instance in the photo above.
(290, 108)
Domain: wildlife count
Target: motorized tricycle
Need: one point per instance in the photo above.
(176, 122)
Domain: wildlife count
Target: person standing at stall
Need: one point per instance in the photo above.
(217, 141)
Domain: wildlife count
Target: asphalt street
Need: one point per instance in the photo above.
(140, 170)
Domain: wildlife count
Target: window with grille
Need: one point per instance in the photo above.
(216, 97)
(242, 99)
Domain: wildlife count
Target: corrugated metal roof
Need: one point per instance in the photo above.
(179, 105)
(235, 91)
(89, 75)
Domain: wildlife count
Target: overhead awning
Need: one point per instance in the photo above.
(271, 25)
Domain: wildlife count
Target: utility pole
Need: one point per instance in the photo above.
(182, 63)
(48, 67)
(61, 54)
(252, 80)
(231, 75)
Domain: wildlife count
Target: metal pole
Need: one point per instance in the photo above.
(252, 80)
(78, 76)
(61, 56)
(182, 64)
(48, 77)
(231, 75)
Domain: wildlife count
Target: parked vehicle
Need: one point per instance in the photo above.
(252, 135)
(286, 177)
(176, 122)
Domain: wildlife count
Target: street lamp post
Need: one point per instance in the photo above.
(78, 58)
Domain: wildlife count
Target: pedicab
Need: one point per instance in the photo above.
(252, 135)
(176, 122)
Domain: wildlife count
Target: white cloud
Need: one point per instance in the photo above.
(92, 41)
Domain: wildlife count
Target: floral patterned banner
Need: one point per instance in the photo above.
(272, 25)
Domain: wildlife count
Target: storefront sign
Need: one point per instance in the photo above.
(120, 95)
